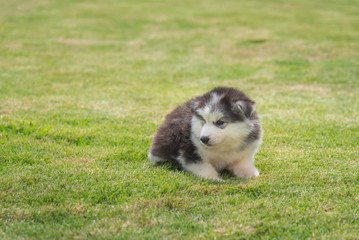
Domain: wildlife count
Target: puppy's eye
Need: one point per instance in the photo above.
(220, 124)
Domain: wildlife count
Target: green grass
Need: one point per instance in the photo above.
(85, 84)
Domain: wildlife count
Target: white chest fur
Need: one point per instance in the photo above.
(220, 158)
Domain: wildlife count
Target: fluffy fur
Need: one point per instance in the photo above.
(219, 130)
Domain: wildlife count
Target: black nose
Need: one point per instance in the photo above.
(205, 140)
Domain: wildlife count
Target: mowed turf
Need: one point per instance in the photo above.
(85, 84)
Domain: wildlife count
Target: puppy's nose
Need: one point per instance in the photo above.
(205, 140)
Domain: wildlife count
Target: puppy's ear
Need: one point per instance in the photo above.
(245, 108)
(194, 105)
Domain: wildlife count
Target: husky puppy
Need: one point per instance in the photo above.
(215, 131)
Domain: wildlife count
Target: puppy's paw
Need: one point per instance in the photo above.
(218, 179)
(247, 172)
(211, 176)
(204, 170)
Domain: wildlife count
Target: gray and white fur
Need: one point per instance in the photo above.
(218, 130)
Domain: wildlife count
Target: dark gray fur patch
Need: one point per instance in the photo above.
(174, 136)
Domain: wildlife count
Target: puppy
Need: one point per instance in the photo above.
(215, 131)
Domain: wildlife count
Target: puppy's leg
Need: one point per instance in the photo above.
(202, 169)
(244, 169)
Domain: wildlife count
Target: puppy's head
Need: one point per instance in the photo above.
(222, 116)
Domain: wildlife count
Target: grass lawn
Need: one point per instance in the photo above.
(85, 84)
